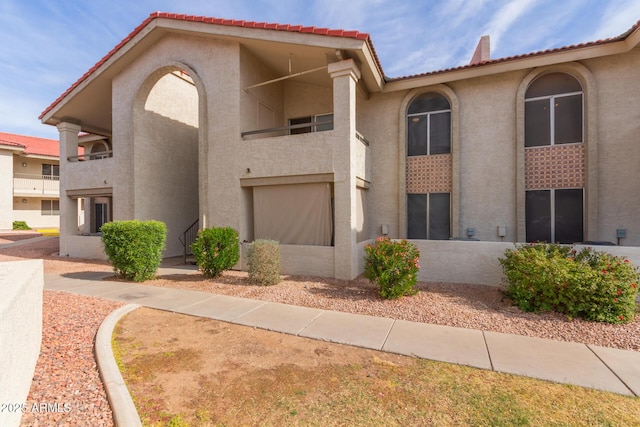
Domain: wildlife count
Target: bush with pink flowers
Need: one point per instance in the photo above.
(588, 284)
(393, 266)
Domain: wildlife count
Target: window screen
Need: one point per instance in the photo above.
(417, 216)
(429, 125)
(428, 102)
(568, 119)
(417, 128)
(440, 133)
(568, 215)
(538, 215)
(565, 216)
(553, 84)
(537, 123)
(429, 216)
(293, 214)
(553, 111)
(439, 216)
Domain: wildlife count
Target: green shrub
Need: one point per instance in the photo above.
(587, 284)
(393, 266)
(216, 249)
(20, 225)
(134, 247)
(264, 262)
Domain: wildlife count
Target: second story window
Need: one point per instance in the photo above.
(429, 125)
(50, 171)
(553, 111)
(317, 123)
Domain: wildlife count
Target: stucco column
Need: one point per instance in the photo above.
(68, 206)
(6, 190)
(345, 75)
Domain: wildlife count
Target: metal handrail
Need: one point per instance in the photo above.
(285, 128)
(362, 139)
(188, 237)
(96, 156)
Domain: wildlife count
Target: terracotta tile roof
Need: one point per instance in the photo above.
(31, 144)
(526, 55)
(215, 21)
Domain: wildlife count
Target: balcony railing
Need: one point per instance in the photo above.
(37, 185)
(91, 156)
(307, 127)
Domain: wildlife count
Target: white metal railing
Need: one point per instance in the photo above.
(46, 185)
(91, 156)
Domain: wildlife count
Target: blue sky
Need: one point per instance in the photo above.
(46, 45)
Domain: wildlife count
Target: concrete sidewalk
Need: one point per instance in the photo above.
(34, 239)
(601, 368)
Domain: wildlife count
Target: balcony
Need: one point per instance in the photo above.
(95, 155)
(36, 185)
(312, 145)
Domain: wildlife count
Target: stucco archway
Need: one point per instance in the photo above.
(167, 116)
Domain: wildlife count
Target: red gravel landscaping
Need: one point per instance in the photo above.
(66, 388)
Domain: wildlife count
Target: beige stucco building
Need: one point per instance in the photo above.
(295, 134)
(29, 181)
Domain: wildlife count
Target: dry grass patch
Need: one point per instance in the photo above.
(185, 370)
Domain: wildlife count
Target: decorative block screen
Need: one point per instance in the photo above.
(429, 174)
(555, 166)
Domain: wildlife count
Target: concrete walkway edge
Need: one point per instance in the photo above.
(124, 411)
(22, 242)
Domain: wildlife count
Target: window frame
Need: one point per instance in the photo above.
(427, 216)
(552, 117)
(51, 209)
(428, 115)
(552, 210)
(314, 124)
(53, 168)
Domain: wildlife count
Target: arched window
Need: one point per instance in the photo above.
(429, 125)
(554, 202)
(553, 111)
(428, 199)
(99, 150)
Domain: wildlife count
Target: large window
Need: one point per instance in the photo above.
(554, 215)
(50, 171)
(429, 125)
(429, 216)
(553, 111)
(49, 207)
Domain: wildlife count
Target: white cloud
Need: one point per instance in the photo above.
(504, 18)
(618, 17)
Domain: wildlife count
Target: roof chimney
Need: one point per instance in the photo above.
(483, 51)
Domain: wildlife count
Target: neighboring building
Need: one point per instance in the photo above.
(295, 134)
(29, 181)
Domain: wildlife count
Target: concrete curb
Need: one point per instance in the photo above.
(124, 411)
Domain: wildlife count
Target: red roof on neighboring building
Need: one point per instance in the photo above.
(31, 144)
(215, 21)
